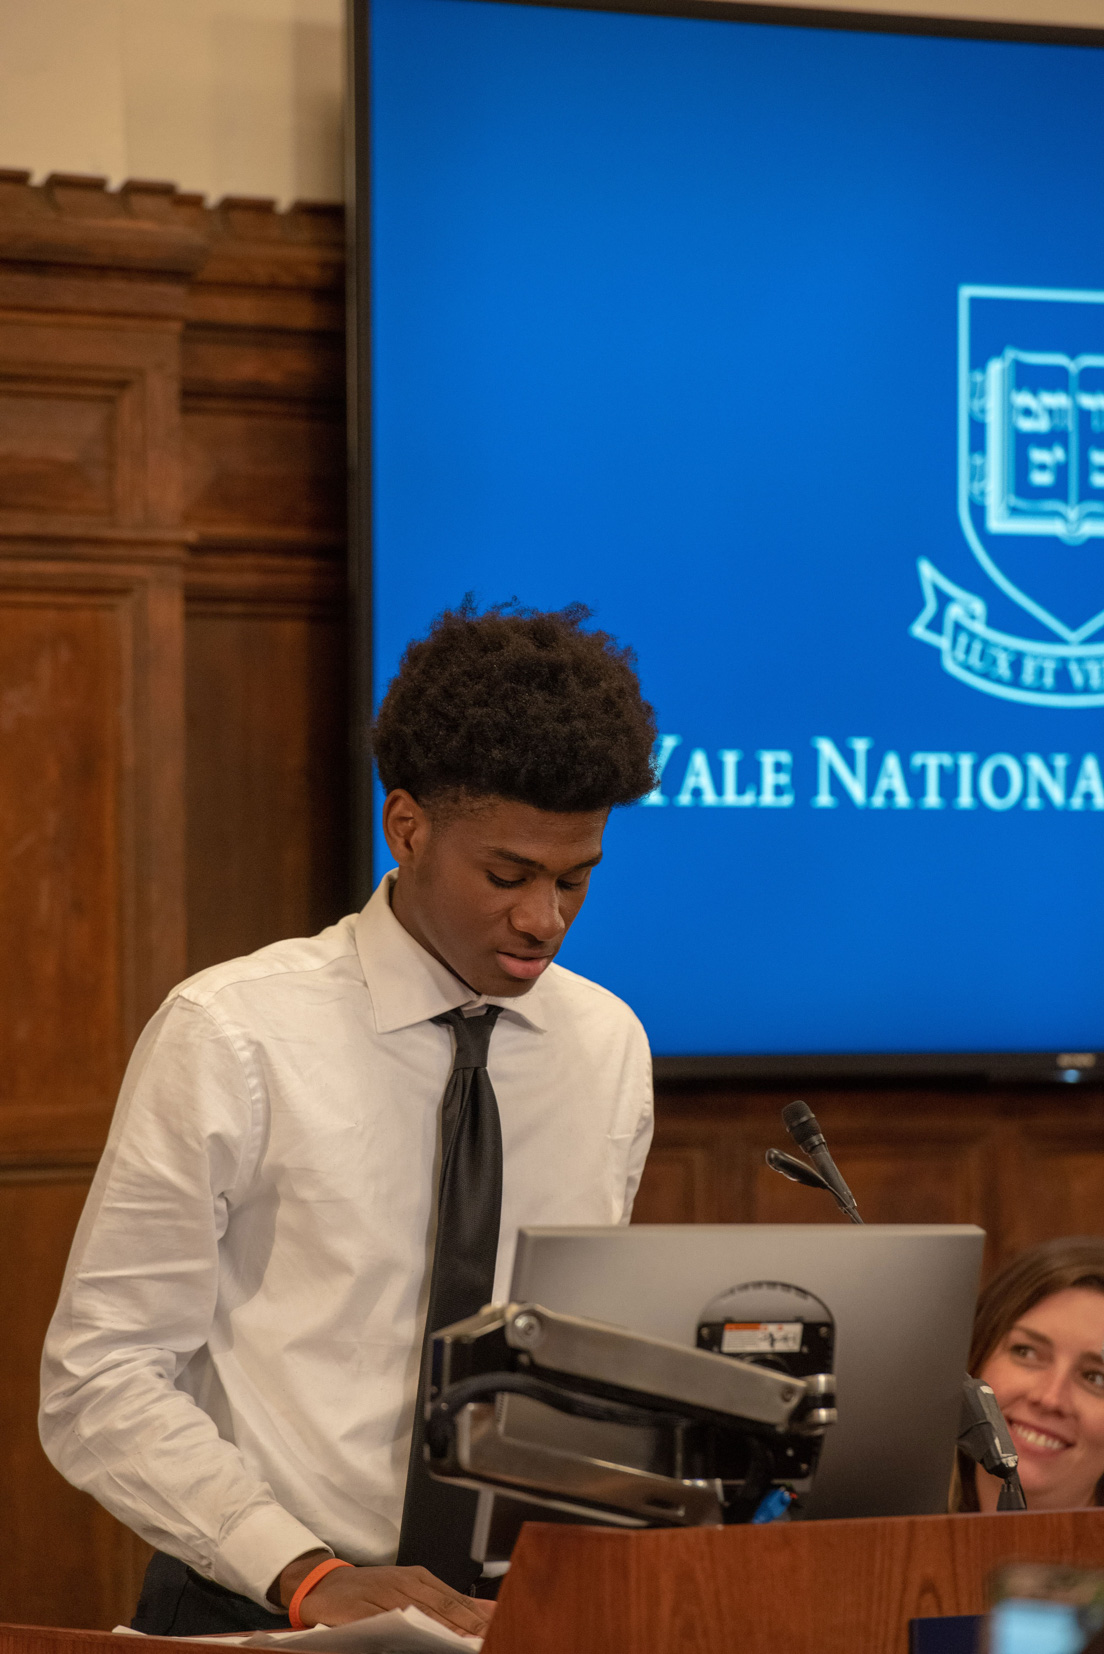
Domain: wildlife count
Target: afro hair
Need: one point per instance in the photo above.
(517, 704)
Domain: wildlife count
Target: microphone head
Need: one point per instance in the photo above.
(800, 1121)
(798, 1171)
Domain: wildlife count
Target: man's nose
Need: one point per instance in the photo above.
(537, 913)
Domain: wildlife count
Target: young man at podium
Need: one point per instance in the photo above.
(325, 1148)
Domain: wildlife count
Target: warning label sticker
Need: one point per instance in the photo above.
(760, 1337)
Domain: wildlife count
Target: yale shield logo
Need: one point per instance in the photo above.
(1030, 497)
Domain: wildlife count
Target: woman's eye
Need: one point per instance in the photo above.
(1094, 1378)
(1023, 1352)
(503, 884)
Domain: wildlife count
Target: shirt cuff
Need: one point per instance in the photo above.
(259, 1548)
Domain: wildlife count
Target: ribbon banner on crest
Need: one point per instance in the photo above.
(1016, 669)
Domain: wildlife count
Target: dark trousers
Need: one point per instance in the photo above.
(178, 1602)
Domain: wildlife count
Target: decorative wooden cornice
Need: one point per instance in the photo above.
(251, 244)
(201, 396)
(74, 223)
(77, 221)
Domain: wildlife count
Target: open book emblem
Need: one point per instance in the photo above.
(1042, 470)
(1030, 496)
(1031, 449)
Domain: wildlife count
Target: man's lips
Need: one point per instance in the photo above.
(1036, 1440)
(525, 967)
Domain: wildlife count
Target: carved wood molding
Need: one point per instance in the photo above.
(171, 445)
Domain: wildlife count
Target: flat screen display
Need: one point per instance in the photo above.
(782, 348)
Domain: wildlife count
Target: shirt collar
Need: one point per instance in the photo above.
(407, 985)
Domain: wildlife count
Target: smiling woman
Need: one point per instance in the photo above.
(1039, 1341)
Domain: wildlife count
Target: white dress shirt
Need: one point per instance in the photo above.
(233, 1365)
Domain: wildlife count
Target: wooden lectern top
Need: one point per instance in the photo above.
(786, 1588)
(842, 1587)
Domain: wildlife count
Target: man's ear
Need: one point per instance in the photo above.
(405, 826)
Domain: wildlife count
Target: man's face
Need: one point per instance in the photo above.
(489, 887)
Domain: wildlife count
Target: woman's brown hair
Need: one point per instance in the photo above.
(1054, 1266)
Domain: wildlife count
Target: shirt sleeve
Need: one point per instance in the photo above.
(137, 1303)
(642, 1138)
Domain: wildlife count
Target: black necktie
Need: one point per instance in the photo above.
(437, 1518)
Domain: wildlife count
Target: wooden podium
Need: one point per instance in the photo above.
(788, 1588)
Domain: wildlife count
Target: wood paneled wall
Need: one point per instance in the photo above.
(263, 405)
(1026, 1164)
(172, 741)
(172, 713)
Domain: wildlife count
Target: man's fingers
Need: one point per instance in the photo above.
(435, 1597)
(348, 1594)
(465, 1614)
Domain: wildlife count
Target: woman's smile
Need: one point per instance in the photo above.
(1048, 1376)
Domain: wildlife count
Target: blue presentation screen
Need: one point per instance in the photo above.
(783, 349)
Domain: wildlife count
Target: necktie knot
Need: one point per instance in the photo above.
(473, 1036)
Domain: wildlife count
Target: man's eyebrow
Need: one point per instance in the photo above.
(538, 866)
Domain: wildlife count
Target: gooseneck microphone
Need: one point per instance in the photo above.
(983, 1436)
(801, 1123)
(796, 1170)
(982, 1431)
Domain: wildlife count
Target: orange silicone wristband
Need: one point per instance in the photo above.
(308, 1584)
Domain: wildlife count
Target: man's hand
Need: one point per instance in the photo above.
(347, 1594)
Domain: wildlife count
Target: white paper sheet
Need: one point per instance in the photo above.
(401, 1631)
